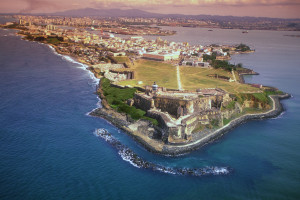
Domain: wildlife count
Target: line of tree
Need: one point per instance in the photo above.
(223, 65)
(242, 47)
(218, 63)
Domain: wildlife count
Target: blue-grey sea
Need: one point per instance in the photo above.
(48, 149)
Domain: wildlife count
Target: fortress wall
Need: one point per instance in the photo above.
(165, 124)
(128, 74)
(171, 105)
(176, 134)
(226, 99)
(202, 104)
(218, 100)
(172, 133)
(162, 118)
(117, 86)
(141, 102)
(231, 113)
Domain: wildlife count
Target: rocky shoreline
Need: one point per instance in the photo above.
(274, 112)
(131, 157)
(141, 135)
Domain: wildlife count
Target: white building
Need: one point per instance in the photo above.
(161, 56)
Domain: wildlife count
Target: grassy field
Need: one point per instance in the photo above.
(193, 78)
(150, 71)
(123, 59)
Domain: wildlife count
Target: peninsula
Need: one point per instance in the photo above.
(171, 97)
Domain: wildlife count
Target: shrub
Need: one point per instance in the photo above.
(226, 121)
(230, 105)
(117, 97)
(243, 47)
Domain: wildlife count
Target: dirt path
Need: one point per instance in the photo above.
(178, 78)
(234, 78)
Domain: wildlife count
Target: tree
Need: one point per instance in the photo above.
(239, 65)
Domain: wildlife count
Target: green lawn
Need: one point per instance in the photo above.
(150, 71)
(193, 78)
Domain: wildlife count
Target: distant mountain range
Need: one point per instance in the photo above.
(140, 13)
(106, 13)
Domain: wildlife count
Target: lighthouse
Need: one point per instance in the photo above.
(154, 87)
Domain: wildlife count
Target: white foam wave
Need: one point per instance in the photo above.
(98, 105)
(126, 157)
(165, 170)
(53, 49)
(95, 81)
(79, 65)
(99, 102)
(220, 170)
(279, 116)
(107, 138)
(129, 156)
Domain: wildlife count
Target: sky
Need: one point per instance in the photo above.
(256, 8)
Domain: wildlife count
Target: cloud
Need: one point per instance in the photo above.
(152, 4)
(221, 7)
(272, 8)
(34, 5)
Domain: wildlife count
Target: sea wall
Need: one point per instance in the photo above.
(163, 144)
(245, 71)
(121, 121)
(275, 111)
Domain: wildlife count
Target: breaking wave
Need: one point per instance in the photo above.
(279, 116)
(98, 105)
(131, 157)
(81, 65)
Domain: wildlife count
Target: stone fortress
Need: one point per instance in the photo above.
(182, 113)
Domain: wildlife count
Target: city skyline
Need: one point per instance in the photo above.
(255, 8)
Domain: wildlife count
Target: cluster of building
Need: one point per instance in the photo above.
(78, 41)
(233, 23)
(112, 25)
(98, 47)
(181, 113)
(169, 21)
